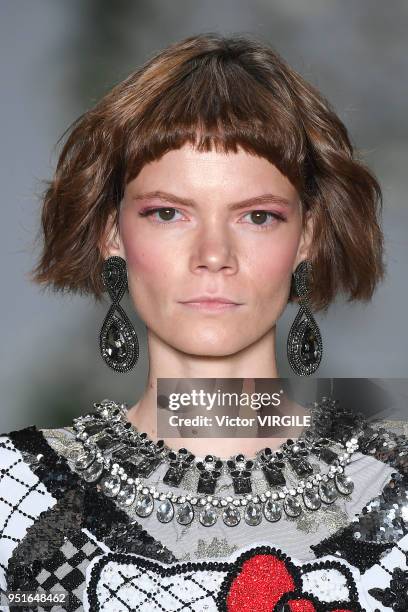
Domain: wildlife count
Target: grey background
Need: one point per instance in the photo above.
(58, 58)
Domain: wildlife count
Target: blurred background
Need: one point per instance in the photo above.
(58, 58)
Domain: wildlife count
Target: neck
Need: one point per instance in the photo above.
(256, 361)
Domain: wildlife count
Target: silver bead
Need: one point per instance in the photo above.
(231, 516)
(208, 516)
(253, 514)
(185, 514)
(144, 504)
(272, 511)
(165, 511)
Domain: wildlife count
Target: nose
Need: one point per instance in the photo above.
(213, 251)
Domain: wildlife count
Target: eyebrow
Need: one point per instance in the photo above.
(173, 199)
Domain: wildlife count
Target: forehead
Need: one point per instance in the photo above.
(236, 172)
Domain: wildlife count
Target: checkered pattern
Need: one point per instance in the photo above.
(22, 499)
(65, 570)
(128, 587)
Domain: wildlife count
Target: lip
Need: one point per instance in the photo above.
(208, 299)
(211, 305)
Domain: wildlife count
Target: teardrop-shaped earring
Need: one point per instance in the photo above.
(304, 346)
(118, 341)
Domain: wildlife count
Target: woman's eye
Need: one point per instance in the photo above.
(165, 214)
(258, 217)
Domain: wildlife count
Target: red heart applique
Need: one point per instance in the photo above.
(262, 581)
(301, 605)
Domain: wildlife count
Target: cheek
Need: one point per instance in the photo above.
(271, 266)
(145, 261)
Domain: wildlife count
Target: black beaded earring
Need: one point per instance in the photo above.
(118, 341)
(304, 346)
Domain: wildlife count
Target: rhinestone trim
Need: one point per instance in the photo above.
(134, 489)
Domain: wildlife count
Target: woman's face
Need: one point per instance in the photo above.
(210, 224)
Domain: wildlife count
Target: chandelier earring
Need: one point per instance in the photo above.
(118, 341)
(304, 345)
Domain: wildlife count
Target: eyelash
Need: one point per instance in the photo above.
(150, 212)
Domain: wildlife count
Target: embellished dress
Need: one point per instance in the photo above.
(118, 522)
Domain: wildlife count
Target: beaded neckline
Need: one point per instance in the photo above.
(119, 459)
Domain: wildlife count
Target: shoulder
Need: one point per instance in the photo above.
(387, 441)
(31, 447)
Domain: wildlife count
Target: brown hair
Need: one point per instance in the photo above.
(224, 92)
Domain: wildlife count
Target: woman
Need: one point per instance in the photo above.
(217, 185)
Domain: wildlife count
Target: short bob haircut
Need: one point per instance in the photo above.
(222, 92)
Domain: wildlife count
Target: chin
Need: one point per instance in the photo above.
(205, 348)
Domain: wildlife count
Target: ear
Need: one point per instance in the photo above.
(305, 240)
(111, 243)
